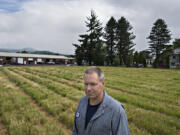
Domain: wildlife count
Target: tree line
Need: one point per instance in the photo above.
(113, 44)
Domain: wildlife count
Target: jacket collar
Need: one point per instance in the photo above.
(101, 108)
(104, 102)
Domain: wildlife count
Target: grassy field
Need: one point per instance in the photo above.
(38, 100)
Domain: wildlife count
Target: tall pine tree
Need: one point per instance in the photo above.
(124, 40)
(159, 37)
(91, 44)
(81, 53)
(94, 37)
(110, 39)
(136, 59)
(176, 43)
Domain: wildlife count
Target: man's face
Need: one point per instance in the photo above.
(93, 87)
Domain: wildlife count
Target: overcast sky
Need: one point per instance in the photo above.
(55, 24)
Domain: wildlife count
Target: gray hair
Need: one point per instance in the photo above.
(96, 70)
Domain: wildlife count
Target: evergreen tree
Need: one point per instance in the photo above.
(91, 42)
(142, 59)
(94, 37)
(124, 39)
(176, 43)
(100, 53)
(136, 59)
(110, 37)
(147, 54)
(81, 53)
(159, 37)
(129, 58)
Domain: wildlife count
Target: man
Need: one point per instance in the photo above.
(97, 112)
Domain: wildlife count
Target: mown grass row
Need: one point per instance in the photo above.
(149, 81)
(165, 80)
(63, 90)
(143, 92)
(170, 124)
(20, 117)
(134, 99)
(61, 78)
(147, 115)
(154, 123)
(117, 84)
(163, 87)
(167, 76)
(58, 77)
(133, 128)
(59, 107)
(146, 92)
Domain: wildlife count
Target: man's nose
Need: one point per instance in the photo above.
(88, 87)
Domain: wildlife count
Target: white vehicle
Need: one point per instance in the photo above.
(51, 62)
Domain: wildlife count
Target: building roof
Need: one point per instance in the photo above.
(25, 55)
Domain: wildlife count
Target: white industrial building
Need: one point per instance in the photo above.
(7, 58)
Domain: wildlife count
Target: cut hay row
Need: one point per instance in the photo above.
(134, 99)
(59, 107)
(151, 93)
(55, 86)
(170, 123)
(20, 116)
(57, 77)
(151, 101)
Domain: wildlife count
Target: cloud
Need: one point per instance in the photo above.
(54, 25)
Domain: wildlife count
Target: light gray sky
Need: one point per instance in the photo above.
(55, 24)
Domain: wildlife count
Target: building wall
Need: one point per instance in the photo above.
(174, 61)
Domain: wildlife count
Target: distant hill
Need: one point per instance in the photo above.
(45, 52)
(32, 51)
(17, 50)
(28, 49)
(9, 50)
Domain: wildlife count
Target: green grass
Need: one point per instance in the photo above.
(151, 96)
(20, 117)
(54, 104)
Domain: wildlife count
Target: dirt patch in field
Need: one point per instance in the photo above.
(3, 130)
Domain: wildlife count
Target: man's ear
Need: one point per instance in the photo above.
(103, 83)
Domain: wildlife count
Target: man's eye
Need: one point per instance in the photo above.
(93, 84)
